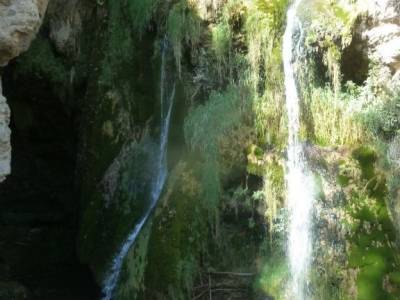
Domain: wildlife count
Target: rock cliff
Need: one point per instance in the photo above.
(382, 32)
(19, 22)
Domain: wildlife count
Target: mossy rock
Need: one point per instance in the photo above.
(177, 238)
(367, 157)
(42, 62)
(372, 241)
(118, 139)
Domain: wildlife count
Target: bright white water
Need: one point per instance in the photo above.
(300, 194)
(156, 185)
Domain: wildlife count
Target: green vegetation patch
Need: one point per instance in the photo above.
(178, 237)
(42, 62)
(183, 28)
(371, 237)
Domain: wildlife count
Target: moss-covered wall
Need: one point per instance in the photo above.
(116, 130)
(223, 207)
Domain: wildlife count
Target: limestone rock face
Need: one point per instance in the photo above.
(5, 146)
(383, 32)
(19, 22)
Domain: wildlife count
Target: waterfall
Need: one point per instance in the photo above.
(300, 196)
(157, 184)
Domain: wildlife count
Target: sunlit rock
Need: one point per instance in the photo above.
(383, 32)
(19, 22)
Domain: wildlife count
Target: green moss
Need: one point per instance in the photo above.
(372, 240)
(177, 239)
(366, 156)
(273, 277)
(122, 94)
(255, 162)
(141, 12)
(42, 62)
(343, 180)
(131, 283)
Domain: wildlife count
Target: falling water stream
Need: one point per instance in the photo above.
(300, 196)
(166, 97)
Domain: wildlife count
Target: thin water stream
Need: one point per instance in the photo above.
(167, 96)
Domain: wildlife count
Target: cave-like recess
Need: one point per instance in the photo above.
(39, 202)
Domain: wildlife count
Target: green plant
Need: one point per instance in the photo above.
(331, 32)
(383, 118)
(205, 128)
(221, 46)
(333, 120)
(184, 28)
(264, 30)
(141, 12)
(206, 123)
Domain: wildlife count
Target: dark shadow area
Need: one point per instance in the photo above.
(354, 64)
(39, 205)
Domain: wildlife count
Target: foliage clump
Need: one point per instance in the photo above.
(183, 28)
(42, 61)
(329, 33)
(334, 118)
(178, 237)
(141, 12)
(264, 29)
(205, 127)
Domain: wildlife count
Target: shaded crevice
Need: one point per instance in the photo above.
(354, 63)
(39, 205)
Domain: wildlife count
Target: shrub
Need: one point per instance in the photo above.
(334, 117)
(383, 118)
(205, 127)
(184, 29)
(221, 45)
